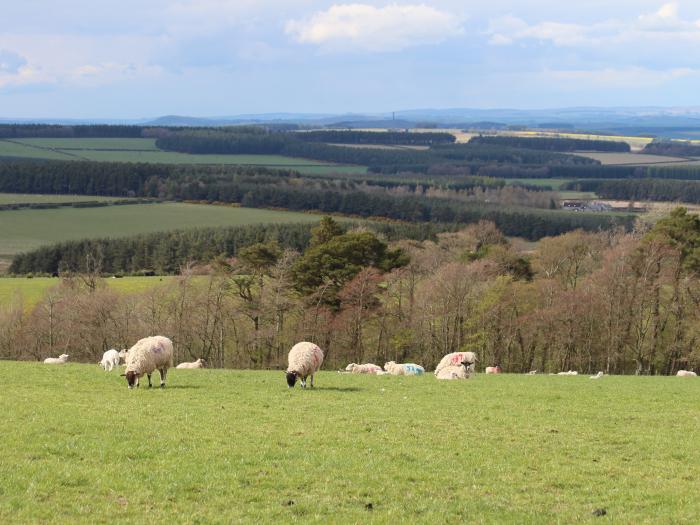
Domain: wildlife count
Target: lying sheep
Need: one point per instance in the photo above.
(147, 355)
(110, 359)
(493, 369)
(456, 359)
(454, 372)
(598, 375)
(686, 373)
(304, 359)
(60, 360)
(403, 369)
(199, 363)
(569, 373)
(367, 368)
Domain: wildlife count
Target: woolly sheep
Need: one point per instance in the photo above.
(199, 363)
(147, 355)
(454, 372)
(367, 368)
(456, 359)
(304, 359)
(532, 373)
(598, 375)
(60, 360)
(569, 373)
(122, 354)
(493, 369)
(110, 359)
(686, 373)
(403, 369)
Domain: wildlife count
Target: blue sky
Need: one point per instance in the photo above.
(131, 59)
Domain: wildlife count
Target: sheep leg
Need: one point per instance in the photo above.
(312, 380)
(163, 373)
(303, 382)
(149, 381)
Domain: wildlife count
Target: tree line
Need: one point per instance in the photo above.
(641, 189)
(620, 302)
(551, 143)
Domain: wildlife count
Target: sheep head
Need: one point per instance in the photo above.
(291, 379)
(132, 378)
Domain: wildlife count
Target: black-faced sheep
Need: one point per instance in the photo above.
(456, 359)
(147, 355)
(304, 359)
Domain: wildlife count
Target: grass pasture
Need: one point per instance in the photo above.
(144, 150)
(26, 229)
(223, 446)
(32, 290)
(36, 198)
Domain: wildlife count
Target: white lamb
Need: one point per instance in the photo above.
(598, 375)
(147, 355)
(569, 373)
(304, 359)
(454, 372)
(403, 369)
(686, 373)
(110, 359)
(60, 360)
(199, 363)
(456, 359)
(366, 368)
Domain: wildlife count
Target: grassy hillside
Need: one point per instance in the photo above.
(24, 230)
(144, 150)
(32, 290)
(219, 446)
(26, 198)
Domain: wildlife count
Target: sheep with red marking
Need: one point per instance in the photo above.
(456, 359)
(366, 368)
(493, 369)
(146, 356)
(304, 360)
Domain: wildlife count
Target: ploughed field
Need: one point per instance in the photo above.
(223, 446)
(145, 150)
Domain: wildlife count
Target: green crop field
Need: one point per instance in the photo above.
(554, 183)
(144, 150)
(29, 198)
(223, 446)
(32, 290)
(23, 230)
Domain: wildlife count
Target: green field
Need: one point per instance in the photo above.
(144, 150)
(554, 183)
(32, 290)
(23, 230)
(222, 446)
(30, 198)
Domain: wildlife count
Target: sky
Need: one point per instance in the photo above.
(140, 59)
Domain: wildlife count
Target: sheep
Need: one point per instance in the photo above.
(598, 375)
(569, 373)
(110, 359)
(304, 359)
(60, 360)
(403, 369)
(367, 368)
(456, 359)
(685, 373)
(532, 373)
(493, 369)
(147, 355)
(199, 363)
(122, 354)
(461, 371)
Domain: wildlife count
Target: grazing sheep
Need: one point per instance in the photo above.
(686, 373)
(60, 360)
(403, 369)
(454, 372)
(199, 363)
(304, 360)
(110, 359)
(598, 375)
(493, 369)
(532, 373)
(456, 359)
(569, 373)
(147, 355)
(366, 368)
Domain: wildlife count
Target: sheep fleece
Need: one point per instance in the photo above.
(305, 359)
(455, 358)
(149, 354)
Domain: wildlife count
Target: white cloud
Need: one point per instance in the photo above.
(365, 27)
(620, 78)
(663, 24)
